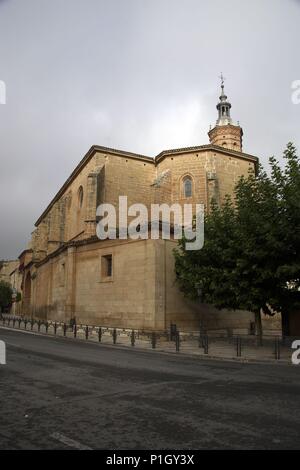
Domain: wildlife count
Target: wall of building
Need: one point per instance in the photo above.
(103, 179)
(7, 268)
(142, 292)
(79, 290)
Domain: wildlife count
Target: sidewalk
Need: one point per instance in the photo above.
(242, 349)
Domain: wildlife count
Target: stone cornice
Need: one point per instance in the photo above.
(155, 161)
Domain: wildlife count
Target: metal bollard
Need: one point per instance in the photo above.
(277, 349)
(75, 331)
(65, 329)
(132, 338)
(173, 332)
(100, 335)
(47, 327)
(114, 336)
(86, 332)
(238, 347)
(39, 325)
(55, 328)
(205, 344)
(153, 340)
(177, 341)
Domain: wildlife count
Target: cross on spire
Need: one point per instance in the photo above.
(222, 78)
(223, 106)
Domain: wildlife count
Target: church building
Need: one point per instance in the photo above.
(68, 272)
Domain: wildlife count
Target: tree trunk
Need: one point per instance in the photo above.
(258, 326)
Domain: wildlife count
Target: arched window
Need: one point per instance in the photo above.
(80, 196)
(187, 186)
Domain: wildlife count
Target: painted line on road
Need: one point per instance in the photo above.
(69, 442)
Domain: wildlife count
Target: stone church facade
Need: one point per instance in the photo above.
(69, 273)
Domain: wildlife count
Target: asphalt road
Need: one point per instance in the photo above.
(63, 394)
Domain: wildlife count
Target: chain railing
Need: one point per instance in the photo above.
(247, 347)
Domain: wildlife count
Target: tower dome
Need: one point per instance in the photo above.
(225, 133)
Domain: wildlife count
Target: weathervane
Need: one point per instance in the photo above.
(222, 80)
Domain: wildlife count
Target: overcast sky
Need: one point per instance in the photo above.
(139, 75)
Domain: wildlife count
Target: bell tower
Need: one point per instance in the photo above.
(225, 133)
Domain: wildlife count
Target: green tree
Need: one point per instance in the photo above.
(5, 295)
(250, 259)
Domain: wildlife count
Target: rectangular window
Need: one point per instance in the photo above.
(106, 266)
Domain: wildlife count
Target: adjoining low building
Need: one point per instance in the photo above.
(6, 267)
(16, 279)
(69, 273)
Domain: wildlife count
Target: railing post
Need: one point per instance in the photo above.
(86, 332)
(153, 340)
(14, 321)
(132, 338)
(238, 346)
(100, 334)
(200, 340)
(205, 344)
(177, 341)
(114, 336)
(25, 323)
(277, 349)
(75, 330)
(173, 332)
(55, 328)
(47, 327)
(65, 329)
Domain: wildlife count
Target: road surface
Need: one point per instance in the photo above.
(61, 393)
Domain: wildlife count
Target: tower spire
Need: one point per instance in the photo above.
(223, 106)
(225, 133)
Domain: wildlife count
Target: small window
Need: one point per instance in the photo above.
(62, 274)
(80, 196)
(106, 266)
(187, 187)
